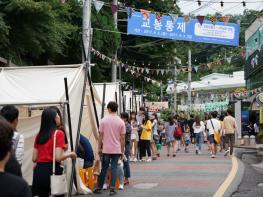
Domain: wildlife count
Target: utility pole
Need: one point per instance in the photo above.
(142, 104)
(114, 66)
(161, 91)
(189, 81)
(178, 61)
(86, 32)
(175, 90)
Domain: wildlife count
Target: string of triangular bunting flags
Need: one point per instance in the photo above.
(135, 71)
(146, 13)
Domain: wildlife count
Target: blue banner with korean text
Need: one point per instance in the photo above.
(218, 33)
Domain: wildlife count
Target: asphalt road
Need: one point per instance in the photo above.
(187, 175)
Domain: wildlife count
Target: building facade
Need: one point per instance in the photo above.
(212, 93)
(254, 54)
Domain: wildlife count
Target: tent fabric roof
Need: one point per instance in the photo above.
(36, 84)
(212, 82)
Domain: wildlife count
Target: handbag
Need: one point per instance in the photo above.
(216, 133)
(58, 183)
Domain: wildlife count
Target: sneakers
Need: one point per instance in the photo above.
(105, 187)
(112, 192)
(199, 152)
(97, 191)
(226, 153)
(135, 160)
(213, 156)
(121, 187)
(126, 182)
(149, 160)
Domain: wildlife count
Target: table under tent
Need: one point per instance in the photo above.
(32, 89)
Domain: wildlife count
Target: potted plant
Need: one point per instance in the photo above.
(259, 138)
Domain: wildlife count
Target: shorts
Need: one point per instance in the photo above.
(169, 139)
(211, 139)
(135, 136)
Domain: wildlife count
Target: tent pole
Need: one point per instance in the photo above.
(120, 98)
(130, 104)
(93, 99)
(70, 137)
(116, 97)
(124, 103)
(103, 100)
(135, 104)
(68, 111)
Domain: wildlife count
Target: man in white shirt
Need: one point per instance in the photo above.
(212, 125)
(11, 113)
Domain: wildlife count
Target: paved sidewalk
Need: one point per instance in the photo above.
(186, 175)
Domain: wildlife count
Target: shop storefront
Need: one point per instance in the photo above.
(254, 55)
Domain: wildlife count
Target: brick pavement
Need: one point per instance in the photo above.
(186, 175)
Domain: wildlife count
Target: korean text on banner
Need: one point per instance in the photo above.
(218, 33)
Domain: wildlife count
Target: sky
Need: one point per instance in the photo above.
(213, 6)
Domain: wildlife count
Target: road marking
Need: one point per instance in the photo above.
(224, 186)
(145, 185)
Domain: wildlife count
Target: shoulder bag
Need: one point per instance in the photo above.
(58, 183)
(216, 133)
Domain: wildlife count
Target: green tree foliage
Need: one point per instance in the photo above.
(103, 41)
(36, 28)
(34, 32)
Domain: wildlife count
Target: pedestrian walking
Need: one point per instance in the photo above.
(140, 118)
(43, 152)
(10, 113)
(230, 127)
(222, 137)
(213, 125)
(154, 136)
(199, 129)
(182, 121)
(190, 124)
(146, 138)
(187, 139)
(111, 145)
(11, 185)
(170, 139)
(134, 138)
(126, 164)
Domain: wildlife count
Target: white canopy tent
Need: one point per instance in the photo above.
(112, 90)
(42, 86)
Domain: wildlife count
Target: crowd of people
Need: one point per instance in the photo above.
(12, 153)
(123, 139)
(137, 138)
